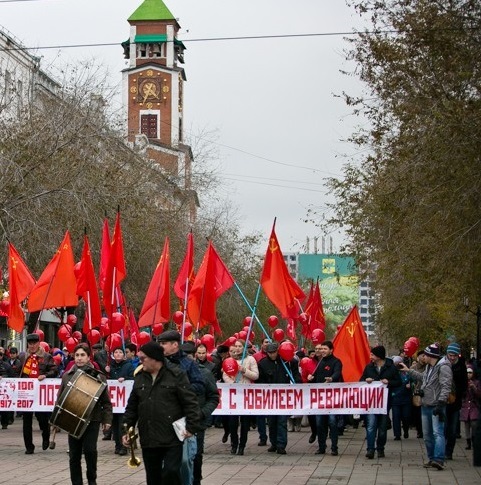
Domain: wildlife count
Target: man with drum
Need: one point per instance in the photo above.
(36, 364)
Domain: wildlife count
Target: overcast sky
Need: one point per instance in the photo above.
(271, 102)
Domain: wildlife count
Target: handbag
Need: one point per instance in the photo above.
(451, 397)
(417, 400)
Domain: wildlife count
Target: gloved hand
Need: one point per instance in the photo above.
(440, 412)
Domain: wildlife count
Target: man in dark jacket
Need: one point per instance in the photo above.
(274, 370)
(207, 403)
(379, 369)
(36, 364)
(460, 385)
(328, 370)
(161, 395)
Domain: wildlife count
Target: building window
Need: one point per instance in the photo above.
(148, 126)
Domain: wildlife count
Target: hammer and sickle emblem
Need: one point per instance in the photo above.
(351, 329)
(272, 245)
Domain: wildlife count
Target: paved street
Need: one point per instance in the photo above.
(402, 465)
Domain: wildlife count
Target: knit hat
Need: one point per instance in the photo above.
(453, 348)
(397, 359)
(153, 350)
(379, 351)
(221, 349)
(432, 350)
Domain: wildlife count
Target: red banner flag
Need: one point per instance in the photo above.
(186, 276)
(156, 307)
(212, 280)
(87, 289)
(104, 253)
(21, 283)
(352, 346)
(315, 311)
(278, 285)
(57, 286)
(134, 328)
(115, 271)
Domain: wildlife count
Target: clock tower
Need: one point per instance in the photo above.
(153, 81)
(152, 87)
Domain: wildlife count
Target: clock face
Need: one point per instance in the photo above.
(147, 88)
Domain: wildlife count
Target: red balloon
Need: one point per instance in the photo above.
(208, 341)
(71, 343)
(113, 341)
(247, 322)
(45, 346)
(272, 321)
(157, 328)
(71, 319)
(230, 341)
(178, 317)
(305, 361)
(230, 366)
(104, 321)
(411, 346)
(58, 359)
(287, 350)
(5, 307)
(117, 322)
(303, 319)
(144, 337)
(209, 357)
(188, 329)
(40, 334)
(242, 335)
(94, 336)
(318, 336)
(278, 334)
(64, 332)
(76, 269)
(77, 335)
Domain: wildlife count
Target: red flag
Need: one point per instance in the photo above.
(315, 311)
(134, 328)
(156, 307)
(212, 280)
(278, 285)
(115, 271)
(186, 276)
(57, 286)
(352, 347)
(104, 253)
(87, 289)
(21, 283)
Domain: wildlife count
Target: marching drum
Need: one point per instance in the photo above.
(75, 405)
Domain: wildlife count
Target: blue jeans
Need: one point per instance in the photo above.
(433, 431)
(189, 450)
(278, 431)
(324, 423)
(401, 417)
(376, 425)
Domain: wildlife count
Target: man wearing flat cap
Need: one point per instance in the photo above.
(381, 369)
(274, 370)
(436, 385)
(161, 395)
(36, 364)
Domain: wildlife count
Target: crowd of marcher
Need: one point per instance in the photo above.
(432, 393)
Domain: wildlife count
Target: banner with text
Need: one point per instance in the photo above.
(235, 399)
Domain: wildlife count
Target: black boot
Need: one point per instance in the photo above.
(233, 450)
(468, 444)
(241, 450)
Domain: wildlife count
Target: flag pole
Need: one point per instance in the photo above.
(186, 297)
(254, 315)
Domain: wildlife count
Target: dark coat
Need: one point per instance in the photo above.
(102, 411)
(210, 400)
(460, 383)
(329, 366)
(274, 371)
(124, 369)
(46, 365)
(156, 405)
